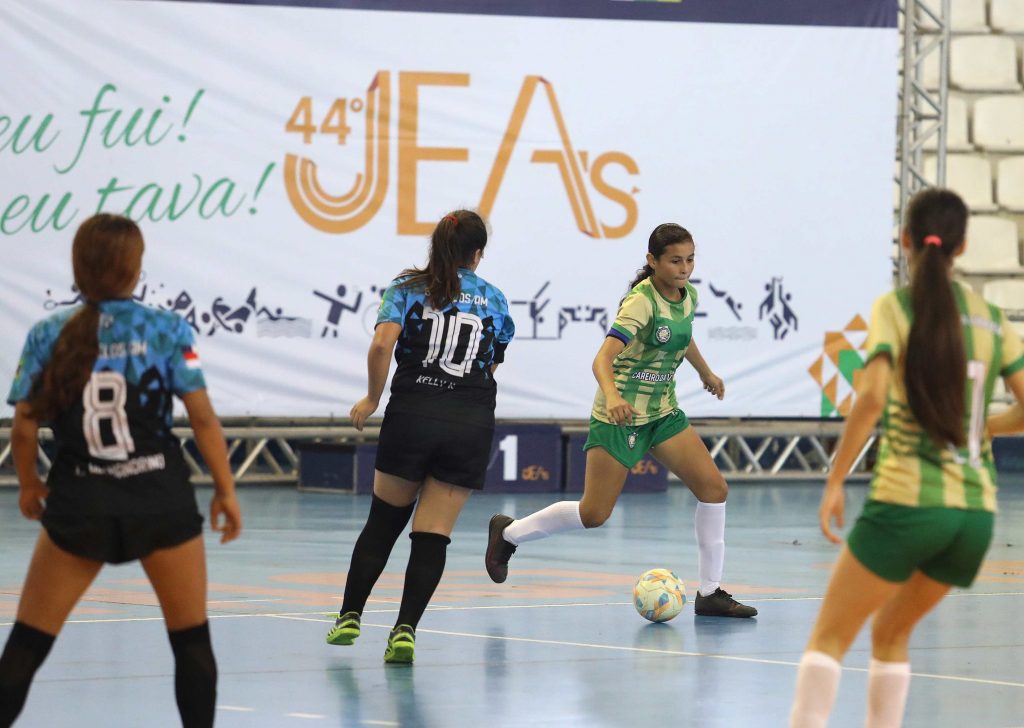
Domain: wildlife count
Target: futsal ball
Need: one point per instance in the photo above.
(658, 595)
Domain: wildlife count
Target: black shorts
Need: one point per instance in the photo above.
(118, 539)
(413, 447)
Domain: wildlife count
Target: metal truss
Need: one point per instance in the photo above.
(743, 449)
(779, 450)
(259, 454)
(922, 111)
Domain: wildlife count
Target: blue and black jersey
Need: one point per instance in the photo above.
(445, 356)
(115, 453)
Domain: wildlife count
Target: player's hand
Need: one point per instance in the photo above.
(226, 517)
(714, 384)
(32, 498)
(833, 505)
(620, 411)
(361, 411)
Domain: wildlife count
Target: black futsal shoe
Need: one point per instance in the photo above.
(499, 551)
(721, 604)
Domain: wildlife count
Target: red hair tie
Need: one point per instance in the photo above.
(455, 220)
(933, 240)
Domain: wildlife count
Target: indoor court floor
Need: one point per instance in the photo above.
(559, 644)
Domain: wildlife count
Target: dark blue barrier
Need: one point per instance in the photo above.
(326, 466)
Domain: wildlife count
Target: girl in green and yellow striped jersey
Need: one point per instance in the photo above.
(635, 411)
(935, 349)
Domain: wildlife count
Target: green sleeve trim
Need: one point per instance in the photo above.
(1012, 368)
(624, 336)
(878, 350)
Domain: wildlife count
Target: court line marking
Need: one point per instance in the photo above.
(311, 716)
(236, 708)
(471, 608)
(319, 617)
(670, 652)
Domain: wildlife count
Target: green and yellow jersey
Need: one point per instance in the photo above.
(912, 469)
(656, 333)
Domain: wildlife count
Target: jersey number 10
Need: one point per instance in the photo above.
(445, 333)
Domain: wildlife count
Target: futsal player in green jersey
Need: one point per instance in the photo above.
(635, 411)
(935, 349)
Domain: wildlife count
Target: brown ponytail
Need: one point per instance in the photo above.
(935, 365)
(106, 257)
(453, 244)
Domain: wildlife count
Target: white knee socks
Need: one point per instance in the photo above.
(709, 525)
(888, 684)
(556, 518)
(817, 681)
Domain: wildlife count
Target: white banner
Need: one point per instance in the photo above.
(286, 162)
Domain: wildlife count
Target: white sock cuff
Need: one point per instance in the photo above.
(702, 504)
(556, 518)
(820, 659)
(879, 667)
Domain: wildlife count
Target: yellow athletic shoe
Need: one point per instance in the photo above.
(401, 645)
(346, 629)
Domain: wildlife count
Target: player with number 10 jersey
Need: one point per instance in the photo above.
(445, 356)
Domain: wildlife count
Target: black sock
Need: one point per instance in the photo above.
(426, 565)
(195, 675)
(25, 651)
(373, 547)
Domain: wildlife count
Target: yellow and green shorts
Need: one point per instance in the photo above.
(629, 443)
(947, 544)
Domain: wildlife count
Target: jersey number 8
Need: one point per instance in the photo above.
(105, 422)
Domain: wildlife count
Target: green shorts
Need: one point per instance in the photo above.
(946, 544)
(629, 443)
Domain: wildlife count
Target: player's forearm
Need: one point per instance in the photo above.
(696, 360)
(210, 441)
(378, 362)
(859, 425)
(25, 449)
(605, 376)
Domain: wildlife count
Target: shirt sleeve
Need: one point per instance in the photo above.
(392, 305)
(34, 356)
(883, 331)
(185, 368)
(1013, 349)
(634, 313)
(504, 335)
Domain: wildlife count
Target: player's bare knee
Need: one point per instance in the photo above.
(594, 517)
(715, 491)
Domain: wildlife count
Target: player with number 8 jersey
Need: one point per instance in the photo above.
(103, 376)
(448, 329)
(117, 437)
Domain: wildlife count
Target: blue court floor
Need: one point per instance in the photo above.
(559, 644)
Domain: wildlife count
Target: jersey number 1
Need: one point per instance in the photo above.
(105, 422)
(976, 377)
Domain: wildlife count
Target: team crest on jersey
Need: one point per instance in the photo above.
(663, 334)
(631, 440)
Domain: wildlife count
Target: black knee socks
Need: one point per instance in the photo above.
(25, 651)
(373, 547)
(422, 575)
(195, 675)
